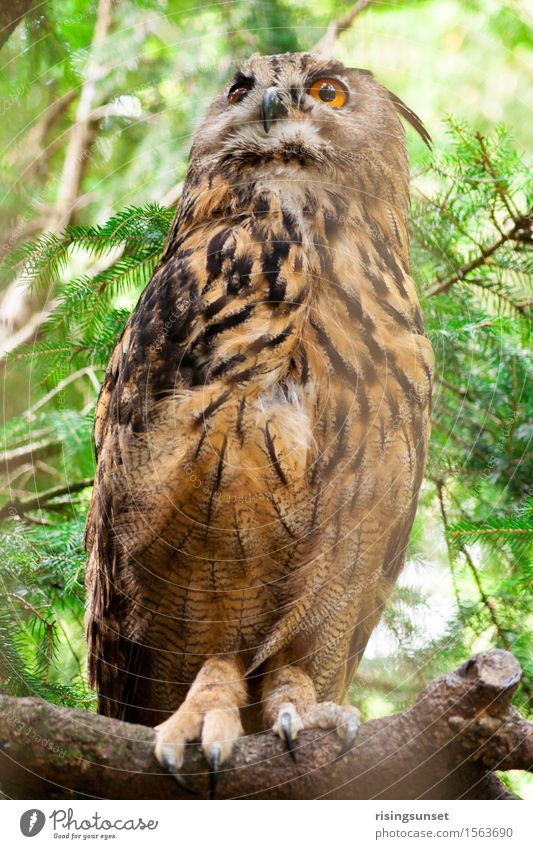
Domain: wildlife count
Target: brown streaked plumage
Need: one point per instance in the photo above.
(262, 428)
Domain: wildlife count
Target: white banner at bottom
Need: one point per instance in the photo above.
(267, 825)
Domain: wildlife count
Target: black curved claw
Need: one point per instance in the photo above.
(286, 729)
(214, 766)
(169, 762)
(352, 727)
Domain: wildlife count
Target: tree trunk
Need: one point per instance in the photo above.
(11, 14)
(460, 728)
(23, 309)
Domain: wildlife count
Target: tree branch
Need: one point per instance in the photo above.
(33, 145)
(41, 499)
(325, 45)
(460, 728)
(40, 447)
(518, 233)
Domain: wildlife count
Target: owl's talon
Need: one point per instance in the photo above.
(168, 761)
(214, 766)
(287, 726)
(179, 779)
(352, 729)
(343, 719)
(285, 722)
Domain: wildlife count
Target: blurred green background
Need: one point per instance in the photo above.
(98, 106)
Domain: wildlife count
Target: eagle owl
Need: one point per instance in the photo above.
(262, 428)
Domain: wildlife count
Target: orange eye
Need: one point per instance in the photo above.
(329, 91)
(236, 94)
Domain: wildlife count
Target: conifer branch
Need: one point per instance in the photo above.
(20, 303)
(481, 259)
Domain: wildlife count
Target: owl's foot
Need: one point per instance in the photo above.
(216, 728)
(344, 719)
(210, 714)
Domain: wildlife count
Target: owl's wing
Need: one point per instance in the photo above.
(147, 360)
(179, 348)
(373, 605)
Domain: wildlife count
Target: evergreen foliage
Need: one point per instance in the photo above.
(472, 257)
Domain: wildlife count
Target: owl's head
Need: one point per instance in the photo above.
(301, 111)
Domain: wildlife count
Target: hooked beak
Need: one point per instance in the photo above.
(272, 108)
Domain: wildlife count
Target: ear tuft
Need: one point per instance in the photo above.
(412, 119)
(403, 109)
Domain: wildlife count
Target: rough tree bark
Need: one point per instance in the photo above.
(461, 727)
